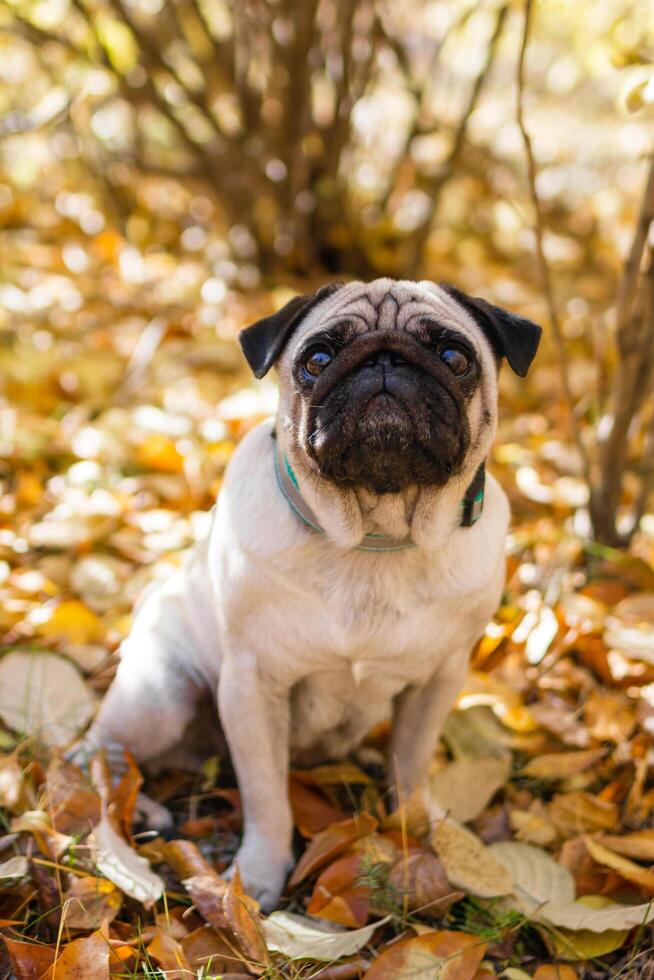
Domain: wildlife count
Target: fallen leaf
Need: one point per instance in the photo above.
(72, 622)
(299, 937)
(544, 890)
(555, 971)
(609, 716)
(242, 914)
(37, 822)
(185, 858)
(15, 867)
(312, 812)
(207, 892)
(90, 902)
(624, 867)
(422, 879)
(339, 896)
(464, 788)
(578, 812)
(562, 765)
(336, 774)
(206, 950)
(74, 807)
(83, 958)
(170, 956)
(329, 843)
(638, 845)
(583, 944)
(537, 877)
(116, 860)
(443, 954)
(30, 960)
(42, 694)
(468, 863)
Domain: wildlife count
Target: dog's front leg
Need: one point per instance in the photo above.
(418, 718)
(255, 720)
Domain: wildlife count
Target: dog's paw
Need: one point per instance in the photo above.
(263, 875)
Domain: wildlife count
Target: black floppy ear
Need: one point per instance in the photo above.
(510, 335)
(263, 342)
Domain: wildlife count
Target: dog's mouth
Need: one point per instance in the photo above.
(382, 418)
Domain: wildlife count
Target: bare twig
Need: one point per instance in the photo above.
(435, 185)
(539, 232)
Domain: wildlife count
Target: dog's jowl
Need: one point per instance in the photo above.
(356, 554)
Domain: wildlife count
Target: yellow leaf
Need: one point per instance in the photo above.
(72, 622)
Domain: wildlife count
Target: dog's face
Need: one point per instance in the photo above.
(389, 384)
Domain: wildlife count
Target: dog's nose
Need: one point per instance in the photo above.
(385, 358)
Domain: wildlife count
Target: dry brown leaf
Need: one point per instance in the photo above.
(638, 845)
(561, 765)
(207, 892)
(206, 950)
(329, 843)
(579, 812)
(242, 914)
(185, 858)
(73, 805)
(312, 812)
(468, 863)
(463, 789)
(443, 954)
(90, 902)
(610, 716)
(29, 960)
(88, 957)
(170, 955)
(422, 879)
(627, 869)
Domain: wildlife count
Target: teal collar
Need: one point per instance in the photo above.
(472, 505)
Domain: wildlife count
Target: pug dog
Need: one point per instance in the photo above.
(356, 553)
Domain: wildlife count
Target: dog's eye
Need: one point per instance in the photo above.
(317, 361)
(455, 359)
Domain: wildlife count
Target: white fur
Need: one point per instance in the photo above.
(307, 642)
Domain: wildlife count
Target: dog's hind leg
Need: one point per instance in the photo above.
(154, 695)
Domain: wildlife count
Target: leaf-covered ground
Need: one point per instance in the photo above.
(533, 855)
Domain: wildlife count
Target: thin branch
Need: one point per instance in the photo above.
(539, 232)
(435, 185)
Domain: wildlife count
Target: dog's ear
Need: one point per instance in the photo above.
(263, 341)
(510, 335)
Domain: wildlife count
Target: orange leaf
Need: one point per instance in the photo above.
(330, 843)
(448, 955)
(170, 956)
(185, 858)
(337, 896)
(29, 960)
(555, 971)
(311, 810)
(83, 958)
(242, 914)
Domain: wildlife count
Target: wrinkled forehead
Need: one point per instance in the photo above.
(388, 304)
